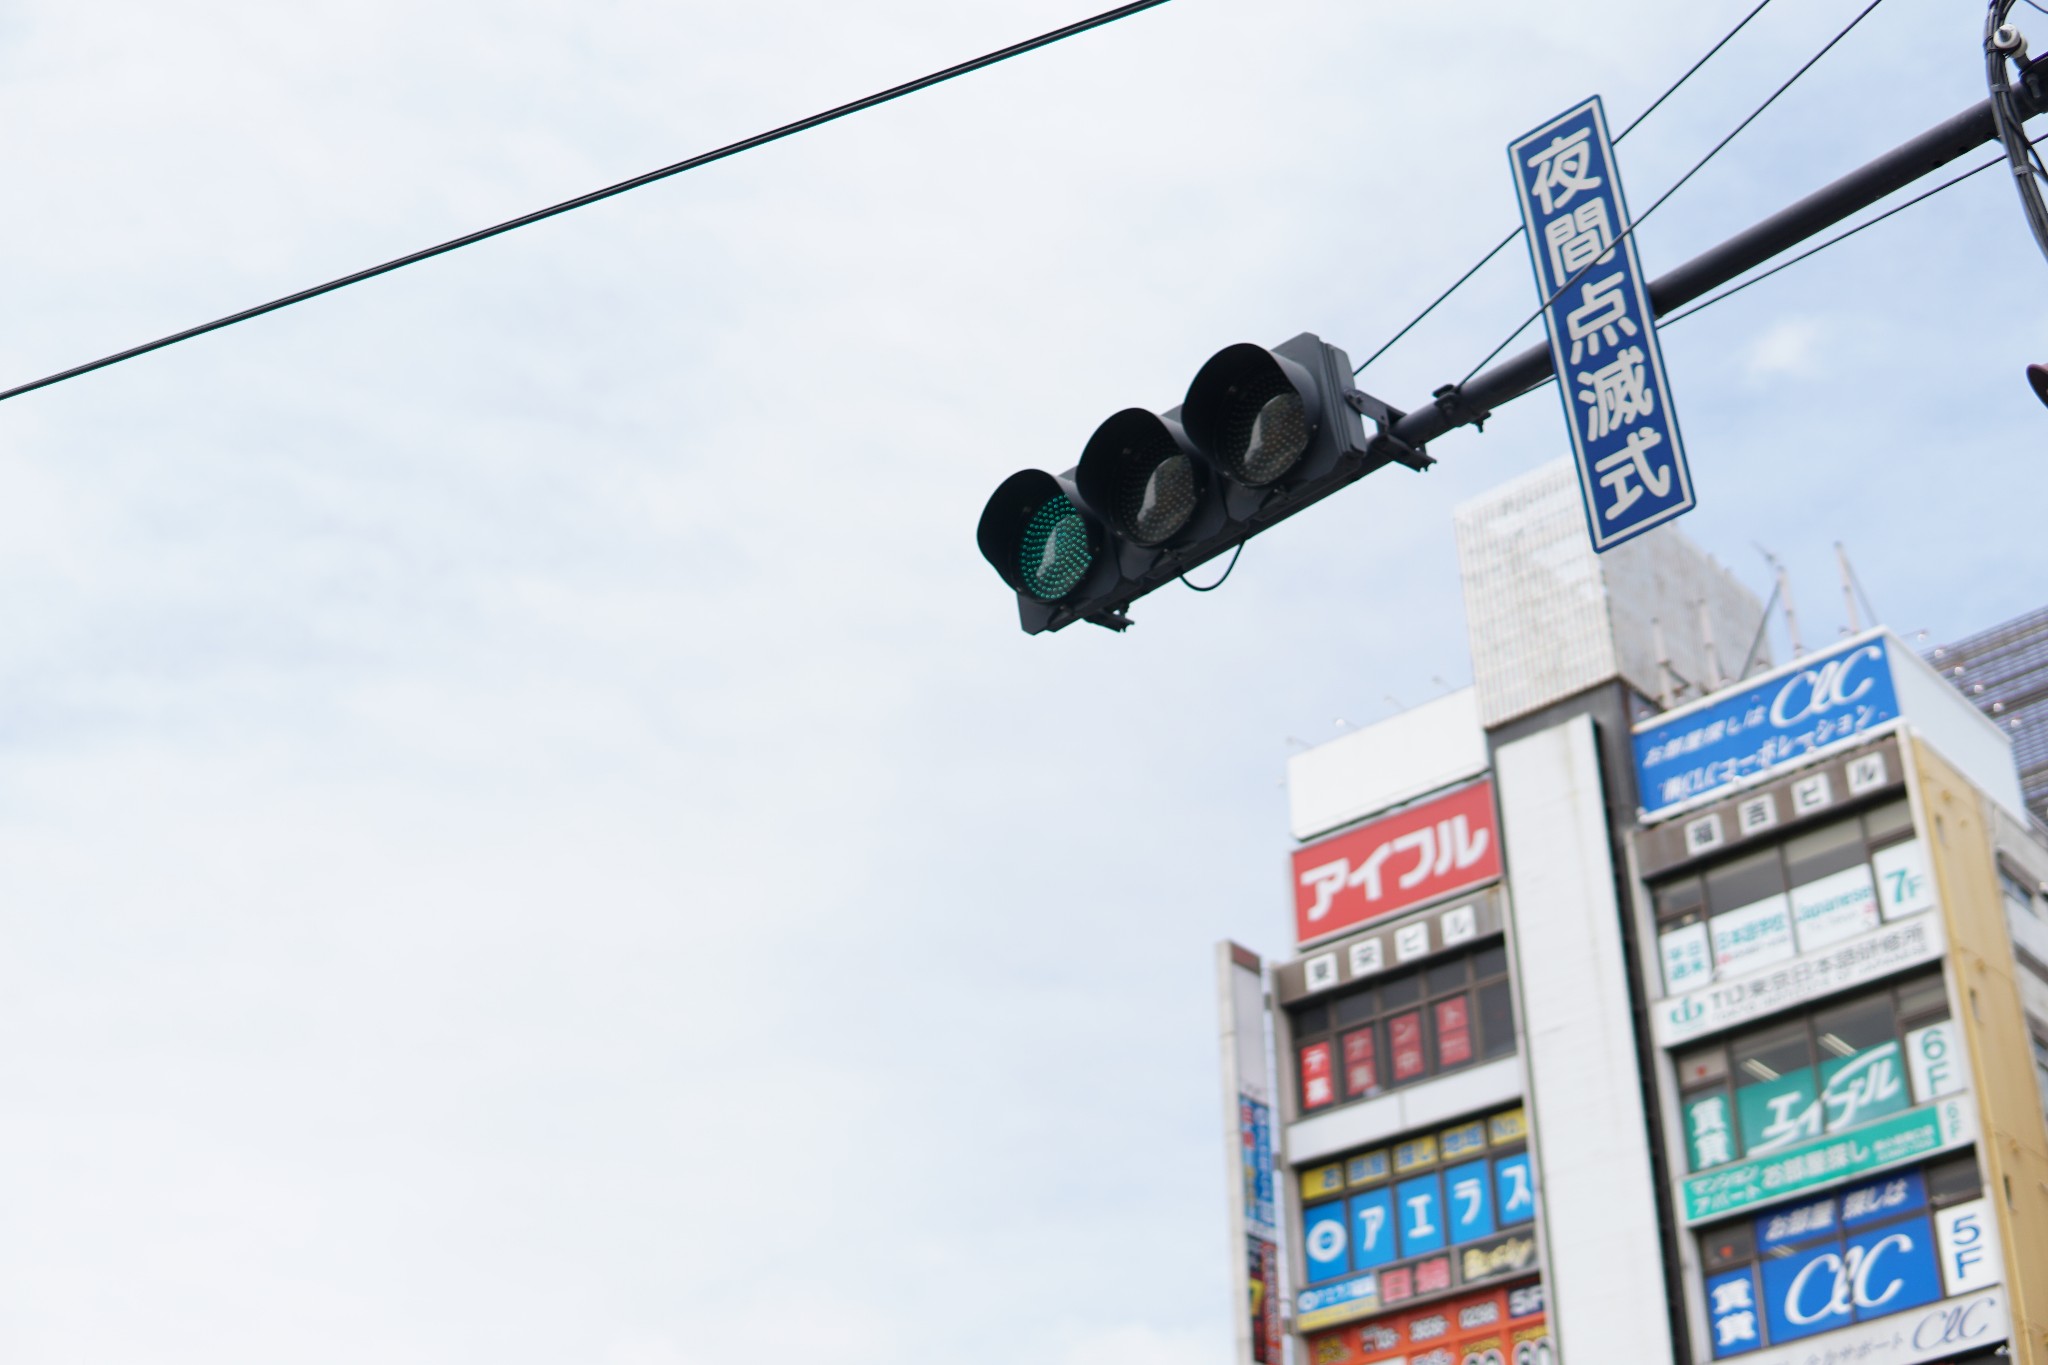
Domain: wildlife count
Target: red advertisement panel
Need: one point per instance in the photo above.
(1404, 1041)
(1359, 1076)
(1486, 1326)
(1453, 1031)
(1433, 1276)
(1317, 1089)
(1434, 848)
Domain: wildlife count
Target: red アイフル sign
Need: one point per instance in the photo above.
(1433, 848)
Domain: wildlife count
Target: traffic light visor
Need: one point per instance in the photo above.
(1140, 473)
(2037, 376)
(1252, 412)
(1036, 538)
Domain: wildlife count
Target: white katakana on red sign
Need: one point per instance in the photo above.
(1435, 848)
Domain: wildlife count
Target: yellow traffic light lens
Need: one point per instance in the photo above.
(1155, 503)
(1274, 438)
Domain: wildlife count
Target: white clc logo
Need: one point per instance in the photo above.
(1814, 690)
(1852, 1281)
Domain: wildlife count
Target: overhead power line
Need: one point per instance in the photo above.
(595, 196)
(1663, 198)
(1636, 123)
(1761, 276)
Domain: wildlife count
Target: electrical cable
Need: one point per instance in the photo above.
(584, 200)
(1226, 572)
(1669, 91)
(1712, 152)
(2003, 43)
(1733, 290)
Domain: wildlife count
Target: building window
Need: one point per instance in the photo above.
(2041, 1070)
(1392, 1032)
(1826, 1070)
(2019, 897)
(1787, 1273)
(1817, 888)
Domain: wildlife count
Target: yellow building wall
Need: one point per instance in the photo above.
(2013, 1145)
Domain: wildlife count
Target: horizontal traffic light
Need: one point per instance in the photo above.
(1261, 435)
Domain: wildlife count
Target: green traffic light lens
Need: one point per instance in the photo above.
(1056, 553)
(1272, 436)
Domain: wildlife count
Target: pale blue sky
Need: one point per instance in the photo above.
(527, 831)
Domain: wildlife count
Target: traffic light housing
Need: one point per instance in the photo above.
(1261, 435)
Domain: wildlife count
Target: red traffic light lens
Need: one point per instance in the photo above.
(1252, 412)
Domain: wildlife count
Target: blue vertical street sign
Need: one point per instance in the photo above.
(1603, 336)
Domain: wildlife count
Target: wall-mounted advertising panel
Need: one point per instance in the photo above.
(1432, 849)
(1492, 1327)
(1421, 1217)
(1743, 733)
(1892, 1269)
(1869, 957)
(1248, 1135)
(1386, 1031)
(1826, 1161)
(1390, 946)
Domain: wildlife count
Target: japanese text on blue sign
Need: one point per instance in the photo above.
(1603, 336)
(1793, 712)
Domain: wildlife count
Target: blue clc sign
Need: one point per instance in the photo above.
(1603, 334)
(1806, 706)
(1864, 1276)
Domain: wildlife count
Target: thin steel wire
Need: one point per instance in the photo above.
(1669, 91)
(595, 196)
(1665, 197)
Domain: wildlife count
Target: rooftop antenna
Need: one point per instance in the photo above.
(1848, 589)
(1714, 678)
(1784, 595)
(1851, 582)
(1663, 663)
(1763, 627)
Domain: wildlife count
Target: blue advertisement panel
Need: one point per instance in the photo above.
(1469, 1197)
(1324, 1241)
(1515, 1192)
(1901, 1193)
(1896, 1268)
(1796, 1223)
(1420, 1203)
(1798, 710)
(1731, 1312)
(1603, 333)
(1255, 1130)
(1820, 1265)
(1372, 1228)
(1807, 1292)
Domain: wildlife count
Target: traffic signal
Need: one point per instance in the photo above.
(1261, 435)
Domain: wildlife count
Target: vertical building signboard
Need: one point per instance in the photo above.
(1248, 1127)
(1603, 334)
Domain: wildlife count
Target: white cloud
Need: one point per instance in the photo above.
(1787, 350)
